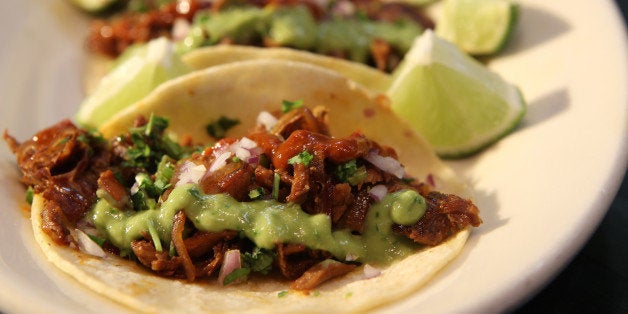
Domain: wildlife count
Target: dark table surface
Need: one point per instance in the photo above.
(596, 281)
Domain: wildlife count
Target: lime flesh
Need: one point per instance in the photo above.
(455, 102)
(479, 27)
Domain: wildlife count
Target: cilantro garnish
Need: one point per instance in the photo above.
(287, 105)
(100, 241)
(236, 274)
(276, 180)
(149, 145)
(256, 193)
(219, 128)
(259, 260)
(282, 294)
(29, 195)
(350, 172)
(303, 157)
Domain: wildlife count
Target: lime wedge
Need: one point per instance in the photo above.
(133, 78)
(479, 27)
(454, 101)
(94, 6)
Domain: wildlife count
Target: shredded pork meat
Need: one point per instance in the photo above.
(67, 165)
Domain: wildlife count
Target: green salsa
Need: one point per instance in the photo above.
(266, 222)
(294, 26)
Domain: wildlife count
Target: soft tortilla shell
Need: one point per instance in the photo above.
(241, 90)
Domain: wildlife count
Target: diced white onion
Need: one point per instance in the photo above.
(371, 272)
(190, 173)
(220, 161)
(87, 245)
(388, 164)
(230, 262)
(378, 192)
(266, 119)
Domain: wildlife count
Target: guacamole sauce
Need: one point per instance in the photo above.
(294, 26)
(266, 222)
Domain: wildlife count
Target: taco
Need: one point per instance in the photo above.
(278, 213)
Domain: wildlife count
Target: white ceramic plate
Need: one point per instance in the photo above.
(542, 190)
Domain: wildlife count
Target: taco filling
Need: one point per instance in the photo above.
(366, 31)
(286, 200)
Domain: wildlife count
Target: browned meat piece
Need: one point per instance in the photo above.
(301, 119)
(112, 38)
(353, 219)
(445, 216)
(63, 165)
(319, 273)
(341, 200)
(159, 262)
(116, 193)
(201, 243)
(322, 146)
(380, 50)
(264, 177)
(178, 224)
(234, 179)
(268, 142)
(294, 259)
(214, 263)
(300, 184)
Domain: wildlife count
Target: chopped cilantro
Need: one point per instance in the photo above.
(256, 193)
(287, 105)
(29, 195)
(219, 128)
(282, 294)
(236, 274)
(150, 144)
(196, 193)
(350, 172)
(276, 180)
(154, 235)
(303, 157)
(100, 241)
(259, 260)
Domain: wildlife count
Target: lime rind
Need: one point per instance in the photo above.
(455, 102)
(479, 27)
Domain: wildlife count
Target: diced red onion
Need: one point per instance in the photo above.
(180, 29)
(351, 257)
(430, 180)
(220, 161)
(371, 272)
(378, 192)
(247, 143)
(87, 245)
(266, 119)
(230, 262)
(388, 164)
(190, 173)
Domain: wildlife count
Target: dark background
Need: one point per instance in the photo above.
(596, 281)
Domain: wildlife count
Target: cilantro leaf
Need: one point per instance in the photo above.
(219, 128)
(287, 105)
(350, 172)
(303, 157)
(258, 260)
(236, 274)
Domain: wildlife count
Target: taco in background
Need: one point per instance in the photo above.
(370, 194)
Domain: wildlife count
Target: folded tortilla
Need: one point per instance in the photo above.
(241, 90)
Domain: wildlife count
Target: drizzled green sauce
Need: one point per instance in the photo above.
(266, 222)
